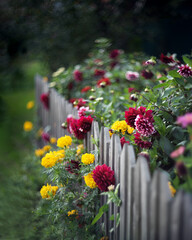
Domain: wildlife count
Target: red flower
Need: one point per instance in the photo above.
(113, 64)
(74, 127)
(72, 100)
(72, 166)
(185, 71)
(78, 76)
(146, 74)
(85, 89)
(142, 143)
(45, 100)
(114, 53)
(166, 59)
(130, 116)
(123, 141)
(99, 72)
(144, 125)
(104, 177)
(70, 86)
(131, 90)
(84, 123)
(80, 103)
(103, 80)
(45, 136)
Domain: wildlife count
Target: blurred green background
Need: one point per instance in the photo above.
(41, 36)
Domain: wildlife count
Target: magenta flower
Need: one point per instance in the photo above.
(185, 70)
(78, 76)
(131, 76)
(178, 152)
(114, 53)
(45, 136)
(146, 74)
(45, 100)
(144, 125)
(166, 59)
(185, 120)
(83, 111)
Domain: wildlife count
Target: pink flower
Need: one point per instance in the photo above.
(45, 100)
(78, 76)
(141, 143)
(114, 53)
(131, 76)
(166, 59)
(123, 141)
(104, 177)
(146, 74)
(185, 120)
(45, 136)
(83, 111)
(144, 125)
(185, 70)
(179, 151)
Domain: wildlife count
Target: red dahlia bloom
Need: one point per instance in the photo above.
(103, 80)
(45, 100)
(72, 100)
(74, 127)
(85, 89)
(45, 136)
(123, 141)
(72, 166)
(78, 76)
(144, 125)
(166, 59)
(146, 74)
(68, 120)
(84, 123)
(185, 70)
(114, 53)
(141, 143)
(70, 86)
(130, 116)
(80, 103)
(104, 177)
(99, 72)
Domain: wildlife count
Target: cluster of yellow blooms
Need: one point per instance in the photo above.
(53, 140)
(64, 141)
(121, 126)
(51, 158)
(80, 149)
(88, 158)
(47, 191)
(41, 151)
(27, 126)
(89, 181)
(30, 105)
(72, 212)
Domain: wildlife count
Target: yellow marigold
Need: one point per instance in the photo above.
(72, 212)
(53, 140)
(27, 126)
(64, 141)
(49, 160)
(121, 126)
(46, 148)
(89, 181)
(60, 154)
(80, 149)
(39, 152)
(30, 105)
(172, 189)
(88, 158)
(48, 191)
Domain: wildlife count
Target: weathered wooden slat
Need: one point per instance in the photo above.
(187, 217)
(96, 137)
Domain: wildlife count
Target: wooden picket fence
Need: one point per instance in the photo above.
(147, 212)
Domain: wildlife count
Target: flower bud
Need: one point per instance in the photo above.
(133, 97)
(103, 84)
(92, 98)
(64, 125)
(92, 90)
(111, 187)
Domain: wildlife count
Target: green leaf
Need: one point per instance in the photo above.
(117, 220)
(165, 84)
(188, 86)
(166, 145)
(112, 218)
(187, 61)
(174, 74)
(102, 210)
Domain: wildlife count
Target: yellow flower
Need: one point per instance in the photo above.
(46, 148)
(60, 154)
(39, 152)
(45, 79)
(28, 126)
(51, 158)
(89, 181)
(87, 158)
(53, 140)
(172, 189)
(80, 149)
(121, 126)
(30, 105)
(72, 212)
(64, 141)
(48, 191)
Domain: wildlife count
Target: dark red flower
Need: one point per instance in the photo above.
(103, 80)
(72, 166)
(114, 53)
(144, 125)
(78, 76)
(45, 100)
(130, 116)
(70, 86)
(104, 177)
(113, 64)
(74, 128)
(141, 143)
(99, 72)
(79, 103)
(85, 89)
(131, 90)
(185, 70)
(84, 123)
(45, 136)
(146, 74)
(68, 121)
(181, 169)
(72, 100)
(123, 141)
(166, 59)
